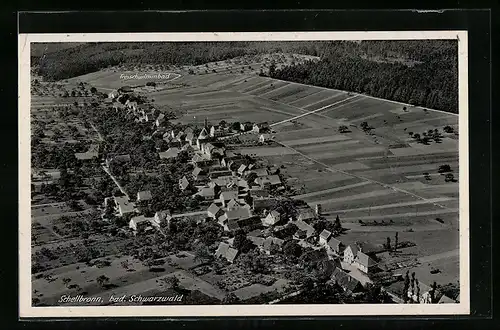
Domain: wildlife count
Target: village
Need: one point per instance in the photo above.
(286, 244)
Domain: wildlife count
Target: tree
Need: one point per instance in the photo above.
(173, 281)
(406, 286)
(343, 129)
(388, 244)
(292, 249)
(396, 242)
(102, 280)
(66, 281)
(93, 90)
(242, 243)
(235, 126)
(416, 136)
(337, 225)
(444, 168)
(449, 177)
(202, 253)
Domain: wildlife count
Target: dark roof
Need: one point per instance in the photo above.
(365, 260)
(334, 243)
(225, 251)
(346, 281)
(213, 208)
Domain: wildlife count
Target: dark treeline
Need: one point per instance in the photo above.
(417, 72)
(67, 62)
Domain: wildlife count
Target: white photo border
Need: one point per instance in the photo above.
(26, 310)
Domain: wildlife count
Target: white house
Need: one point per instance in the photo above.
(272, 218)
(324, 236)
(350, 254)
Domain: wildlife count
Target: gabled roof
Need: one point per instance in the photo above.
(139, 219)
(184, 183)
(144, 195)
(334, 243)
(275, 214)
(197, 171)
(365, 260)
(213, 209)
(170, 153)
(445, 300)
(232, 204)
(258, 241)
(228, 195)
(304, 226)
(242, 168)
(189, 136)
(238, 213)
(226, 251)
(325, 234)
(203, 134)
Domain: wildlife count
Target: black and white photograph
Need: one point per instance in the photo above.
(239, 174)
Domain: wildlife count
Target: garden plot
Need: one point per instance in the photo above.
(332, 99)
(286, 92)
(251, 85)
(347, 152)
(257, 289)
(331, 146)
(270, 86)
(320, 138)
(312, 98)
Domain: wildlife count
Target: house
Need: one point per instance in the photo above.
(117, 159)
(421, 293)
(242, 169)
(216, 131)
(308, 229)
(179, 137)
(446, 300)
(161, 216)
(86, 155)
(232, 204)
(350, 254)
(230, 219)
(226, 196)
(139, 223)
(208, 193)
(246, 126)
(124, 206)
(202, 137)
(268, 181)
(113, 94)
(189, 138)
(197, 172)
(264, 138)
(364, 263)
(125, 90)
(346, 281)
(217, 174)
(131, 105)
(226, 251)
(306, 214)
(170, 153)
(143, 196)
(324, 236)
(183, 183)
(160, 120)
(260, 128)
(256, 240)
(259, 172)
(272, 218)
(214, 211)
(334, 245)
(271, 245)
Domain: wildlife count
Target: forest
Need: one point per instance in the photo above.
(422, 73)
(419, 72)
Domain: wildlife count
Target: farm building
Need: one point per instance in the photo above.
(350, 254)
(268, 181)
(226, 251)
(162, 216)
(214, 211)
(271, 245)
(308, 229)
(364, 263)
(306, 214)
(346, 281)
(140, 223)
(160, 120)
(272, 218)
(260, 128)
(143, 196)
(183, 183)
(226, 196)
(445, 300)
(208, 193)
(324, 236)
(335, 245)
(124, 206)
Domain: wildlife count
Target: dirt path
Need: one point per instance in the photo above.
(115, 181)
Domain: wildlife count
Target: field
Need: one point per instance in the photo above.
(373, 179)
